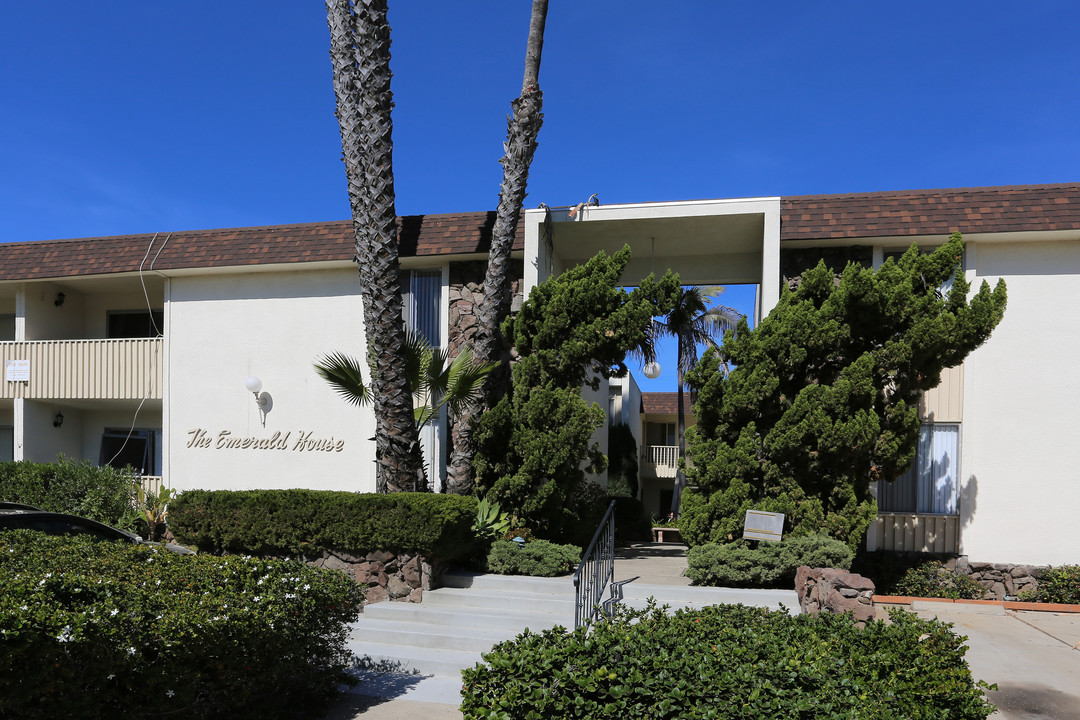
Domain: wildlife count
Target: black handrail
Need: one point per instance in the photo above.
(596, 571)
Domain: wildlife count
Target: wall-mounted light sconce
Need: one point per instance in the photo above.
(58, 420)
(59, 299)
(652, 370)
(254, 386)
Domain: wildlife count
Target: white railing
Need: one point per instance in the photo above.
(661, 459)
(127, 369)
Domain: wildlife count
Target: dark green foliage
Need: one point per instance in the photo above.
(104, 630)
(887, 569)
(769, 565)
(538, 557)
(307, 522)
(78, 488)
(823, 398)
(1057, 585)
(728, 662)
(931, 579)
(534, 447)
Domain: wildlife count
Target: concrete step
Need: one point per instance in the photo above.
(495, 619)
(509, 583)
(422, 634)
(408, 686)
(561, 604)
(411, 659)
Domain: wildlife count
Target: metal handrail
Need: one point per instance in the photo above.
(596, 571)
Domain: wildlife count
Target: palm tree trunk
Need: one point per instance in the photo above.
(360, 52)
(680, 476)
(521, 140)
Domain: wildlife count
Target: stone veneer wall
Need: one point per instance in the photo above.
(466, 288)
(1000, 579)
(402, 577)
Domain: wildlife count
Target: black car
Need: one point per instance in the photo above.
(16, 516)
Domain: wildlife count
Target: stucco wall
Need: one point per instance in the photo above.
(1020, 459)
(223, 329)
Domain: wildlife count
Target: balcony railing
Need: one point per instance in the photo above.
(127, 369)
(912, 532)
(663, 460)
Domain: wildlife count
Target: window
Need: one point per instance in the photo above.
(421, 294)
(141, 449)
(929, 486)
(615, 406)
(660, 433)
(134, 324)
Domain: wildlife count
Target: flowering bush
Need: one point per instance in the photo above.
(93, 629)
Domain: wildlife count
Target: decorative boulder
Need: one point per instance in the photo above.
(835, 591)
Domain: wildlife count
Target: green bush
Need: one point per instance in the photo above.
(93, 629)
(1057, 585)
(307, 522)
(931, 579)
(728, 662)
(78, 488)
(539, 557)
(768, 565)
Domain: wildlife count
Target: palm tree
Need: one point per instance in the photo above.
(436, 380)
(360, 54)
(521, 140)
(692, 323)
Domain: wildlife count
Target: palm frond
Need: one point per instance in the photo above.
(343, 373)
(465, 380)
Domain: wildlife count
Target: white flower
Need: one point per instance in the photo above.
(169, 693)
(65, 634)
(131, 651)
(307, 587)
(110, 677)
(113, 613)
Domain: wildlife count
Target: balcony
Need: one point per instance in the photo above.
(659, 461)
(127, 369)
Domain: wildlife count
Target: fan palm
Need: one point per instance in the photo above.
(436, 380)
(692, 323)
(360, 54)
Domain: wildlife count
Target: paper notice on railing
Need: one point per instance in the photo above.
(763, 525)
(17, 371)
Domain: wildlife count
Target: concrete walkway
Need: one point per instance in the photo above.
(1034, 657)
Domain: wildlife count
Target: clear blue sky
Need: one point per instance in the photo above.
(127, 117)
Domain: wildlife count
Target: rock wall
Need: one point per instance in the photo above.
(400, 577)
(466, 288)
(835, 591)
(1000, 579)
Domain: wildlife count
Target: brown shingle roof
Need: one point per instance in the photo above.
(664, 403)
(421, 236)
(931, 212)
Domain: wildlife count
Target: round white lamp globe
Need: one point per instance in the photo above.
(253, 384)
(652, 370)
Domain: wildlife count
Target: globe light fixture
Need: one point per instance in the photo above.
(652, 370)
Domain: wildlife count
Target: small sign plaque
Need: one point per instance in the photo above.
(17, 371)
(763, 525)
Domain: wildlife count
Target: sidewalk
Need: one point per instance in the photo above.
(1034, 657)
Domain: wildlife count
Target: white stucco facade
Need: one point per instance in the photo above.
(224, 328)
(227, 314)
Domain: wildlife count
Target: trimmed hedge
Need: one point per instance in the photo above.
(768, 565)
(1057, 585)
(307, 522)
(79, 488)
(92, 629)
(728, 662)
(539, 557)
